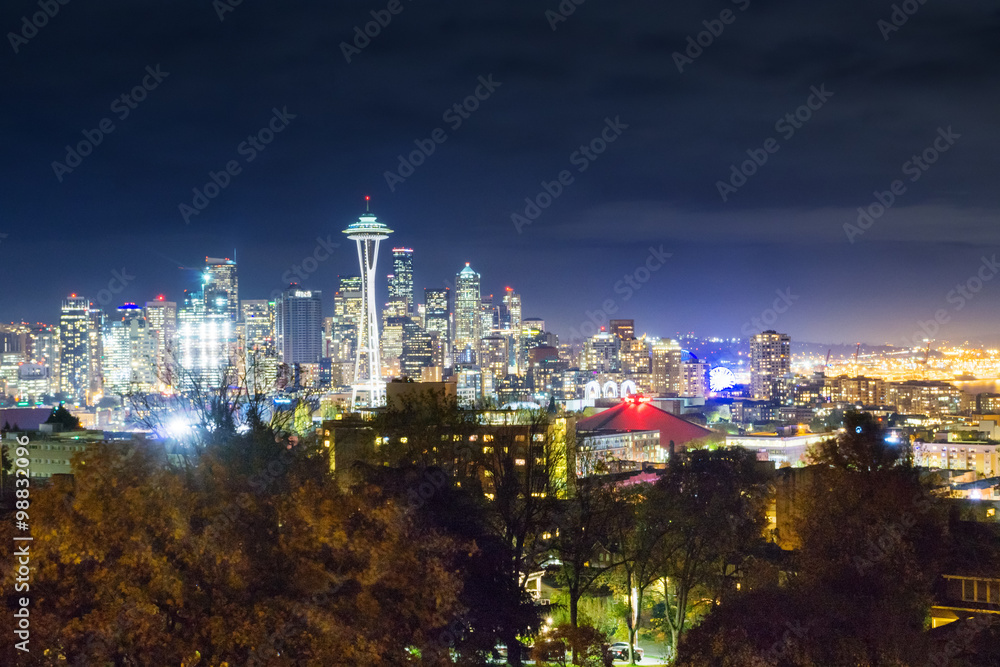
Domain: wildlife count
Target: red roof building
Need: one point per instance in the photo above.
(629, 434)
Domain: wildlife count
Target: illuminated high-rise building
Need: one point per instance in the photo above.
(510, 328)
(633, 356)
(437, 319)
(206, 342)
(260, 351)
(368, 232)
(419, 350)
(96, 331)
(494, 358)
(695, 378)
(401, 281)
(161, 317)
(770, 360)
(346, 319)
(74, 348)
(667, 370)
(468, 318)
(600, 353)
(43, 351)
(221, 287)
(623, 329)
(393, 333)
(299, 325)
(129, 353)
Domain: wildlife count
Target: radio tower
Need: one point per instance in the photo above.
(367, 231)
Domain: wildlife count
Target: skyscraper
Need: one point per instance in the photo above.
(368, 232)
(129, 353)
(260, 357)
(510, 326)
(401, 281)
(221, 288)
(161, 316)
(43, 341)
(74, 346)
(346, 318)
(667, 371)
(205, 343)
(468, 319)
(624, 329)
(437, 319)
(298, 318)
(770, 360)
(96, 331)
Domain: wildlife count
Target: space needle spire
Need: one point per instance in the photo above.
(367, 232)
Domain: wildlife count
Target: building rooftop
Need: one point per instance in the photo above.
(638, 415)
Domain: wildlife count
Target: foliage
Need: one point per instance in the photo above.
(238, 554)
(871, 541)
(61, 415)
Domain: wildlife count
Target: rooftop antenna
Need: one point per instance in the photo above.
(368, 204)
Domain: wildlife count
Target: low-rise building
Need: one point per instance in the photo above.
(780, 449)
(631, 433)
(978, 456)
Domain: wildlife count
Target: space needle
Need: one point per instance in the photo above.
(367, 231)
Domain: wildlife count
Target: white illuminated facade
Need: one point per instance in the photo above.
(368, 232)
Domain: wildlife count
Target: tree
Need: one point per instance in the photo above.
(637, 536)
(711, 510)
(870, 540)
(60, 415)
(248, 551)
(584, 522)
(508, 467)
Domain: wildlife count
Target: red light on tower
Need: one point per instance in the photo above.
(160, 298)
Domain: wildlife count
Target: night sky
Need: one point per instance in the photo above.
(654, 185)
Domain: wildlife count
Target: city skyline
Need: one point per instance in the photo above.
(555, 89)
